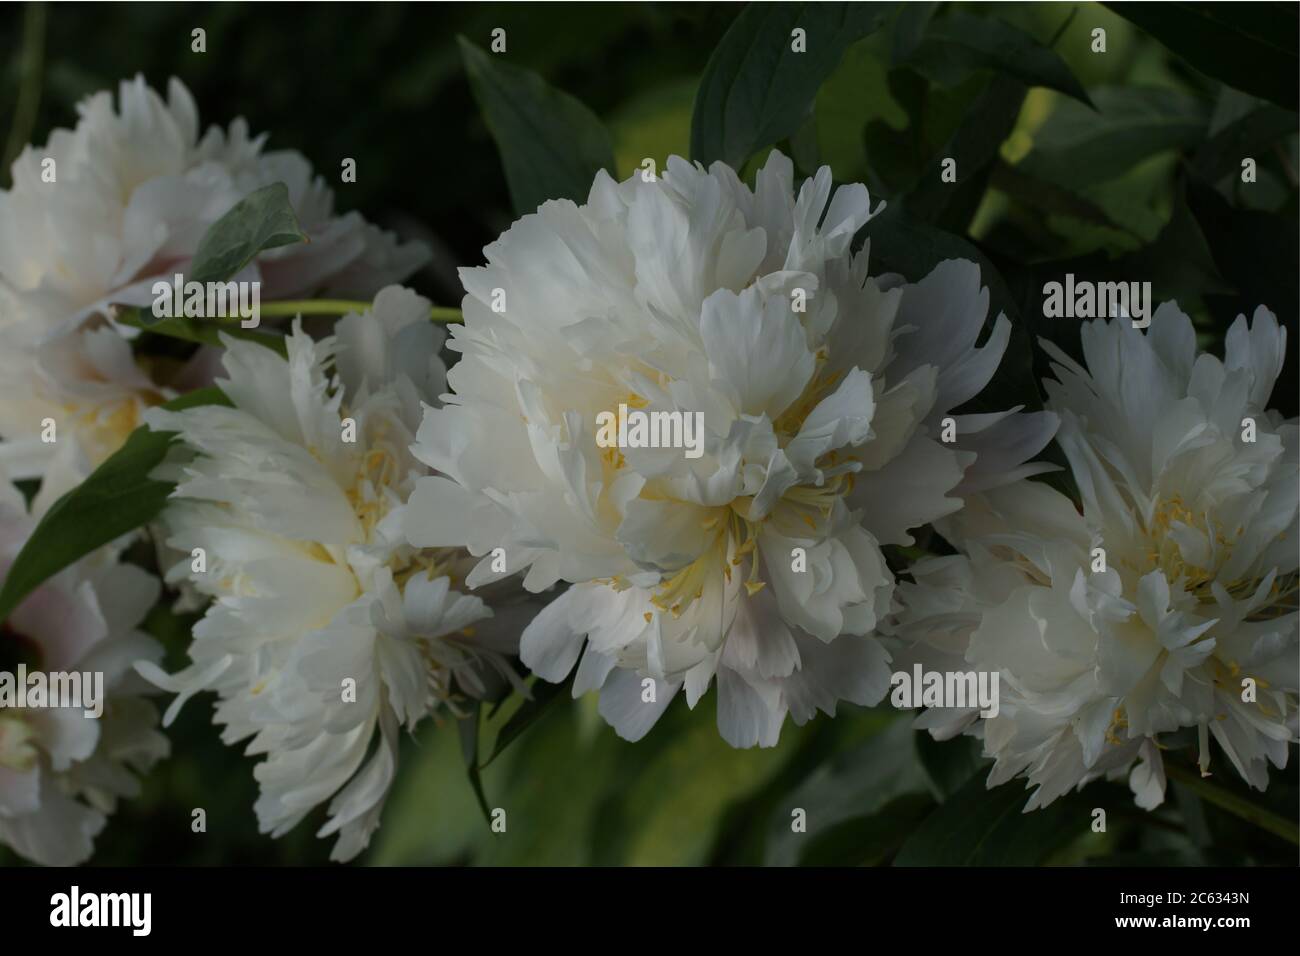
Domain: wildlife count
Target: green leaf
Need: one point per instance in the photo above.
(1256, 253)
(468, 729)
(205, 332)
(961, 42)
(1049, 197)
(756, 90)
(949, 763)
(117, 497)
(551, 145)
(1077, 147)
(1223, 152)
(580, 795)
(1250, 46)
(853, 804)
(803, 148)
(544, 693)
(1178, 263)
(556, 779)
(680, 781)
(1230, 798)
(909, 30)
(899, 150)
(262, 220)
(974, 147)
(979, 827)
(867, 840)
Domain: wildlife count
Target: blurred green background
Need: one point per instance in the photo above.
(1145, 186)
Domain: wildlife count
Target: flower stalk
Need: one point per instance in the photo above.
(291, 307)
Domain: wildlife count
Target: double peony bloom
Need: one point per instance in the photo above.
(92, 219)
(1167, 605)
(376, 538)
(822, 390)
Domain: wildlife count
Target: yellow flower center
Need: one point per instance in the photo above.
(735, 536)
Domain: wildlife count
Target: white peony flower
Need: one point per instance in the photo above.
(328, 631)
(62, 772)
(1188, 486)
(821, 433)
(134, 190)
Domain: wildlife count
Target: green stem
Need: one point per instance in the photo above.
(1225, 800)
(342, 307)
(29, 86)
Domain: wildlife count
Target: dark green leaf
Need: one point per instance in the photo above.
(843, 796)
(1250, 46)
(950, 763)
(1257, 130)
(974, 147)
(1192, 809)
(1256, 252)
(756, 90)
(1077, 147)
(556, 780)
(203, 331)
(551, 145)
(468, 729)
(117, 497)
(804, 150)
(262, 220)
(1049, 197)
(909, 30)
(901, 151)
(979, 827)
(1178, 263)
(867, 840)
(961, 42)
(896, 150)
(543, 693)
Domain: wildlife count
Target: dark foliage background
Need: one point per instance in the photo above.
(1123, 164)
